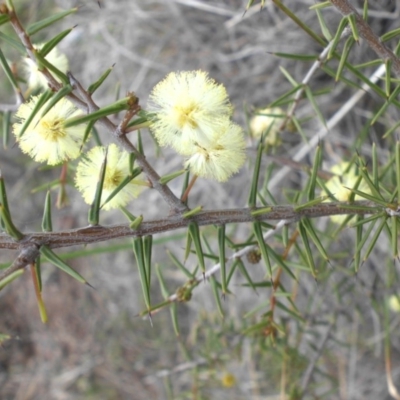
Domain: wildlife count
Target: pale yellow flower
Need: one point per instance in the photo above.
(338, 185)
(189, 107)
(221, 158)
(35, 78)
(394, 303)
(46, 139)
(228, 380)
(117, 169)
(268, 121)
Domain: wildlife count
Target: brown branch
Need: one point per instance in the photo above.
(26, 41)
(27, 255)
(94, 234)
(133, 110)
(365, 31)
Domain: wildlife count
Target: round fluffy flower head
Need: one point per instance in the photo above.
(345, 177)
(117, 169)
(46, 139)
(36, 80)
(188, 107)
(221, 158)
(394, 303)
(267, 121)
(228, 380)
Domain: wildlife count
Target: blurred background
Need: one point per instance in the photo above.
(94, 345)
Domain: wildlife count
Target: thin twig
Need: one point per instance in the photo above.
(310, 369)
(133, 110)
(388, 368)
(200, 5)
(324, 131)
(365, 31)
(179, 368)
(238, 254)
(188, 189)
(307, 79)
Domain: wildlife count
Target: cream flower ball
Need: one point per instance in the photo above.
(46, 139)
(188, 107)
(267, 121)
(35, 78)
(117, 169)
(222, 158)
(345, 178)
